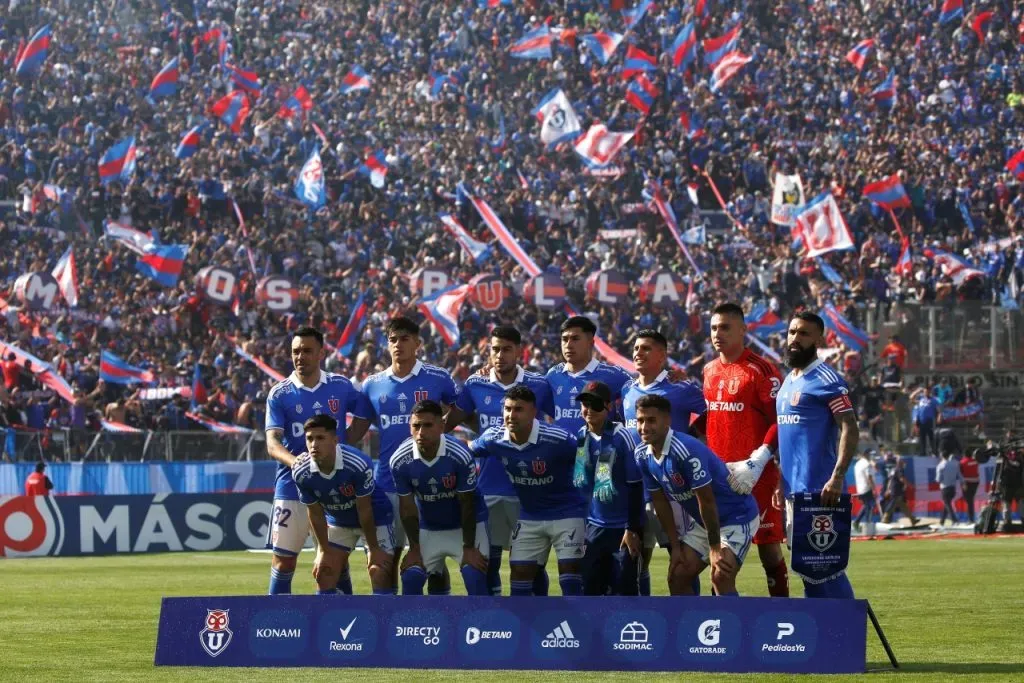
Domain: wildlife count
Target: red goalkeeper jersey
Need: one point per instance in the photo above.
(741, 404)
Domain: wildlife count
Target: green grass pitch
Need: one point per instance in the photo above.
(951, 609)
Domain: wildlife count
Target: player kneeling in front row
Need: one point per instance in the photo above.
(676, 466)
(441, 474)
(335, 482)
(539, 459)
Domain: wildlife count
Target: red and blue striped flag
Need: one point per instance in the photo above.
(353, 328)
(232, 110)
(118, 163)
(114, 370)
(859, 54)
(536, 44)
(32, 56)
(852, 336)
(163, 263)
(355, 80)
(165, 83)
(715, 49)
(442, 310)
(888, 194)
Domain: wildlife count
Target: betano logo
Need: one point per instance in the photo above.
(562, 637)
(475, 635)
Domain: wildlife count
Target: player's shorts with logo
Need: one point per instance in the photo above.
(532, 539)
(735, 537)
(346, 538)
(772, 528)
(289, 527)
(435, 546)
(502, 515)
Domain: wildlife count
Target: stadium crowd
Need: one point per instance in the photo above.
(799, 107)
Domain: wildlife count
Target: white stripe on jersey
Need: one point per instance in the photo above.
(354, 462)
(404, 450)
(459, 453)
(627, 435)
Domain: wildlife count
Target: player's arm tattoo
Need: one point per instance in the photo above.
(364, 507)
(410, 517)
(357, 430)
(277, 450)
(849, 436)
(318, 523)
(467, 508)
(709, 513)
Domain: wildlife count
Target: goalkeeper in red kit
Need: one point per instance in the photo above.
(740, 389)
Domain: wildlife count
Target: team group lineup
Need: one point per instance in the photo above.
(585, 461)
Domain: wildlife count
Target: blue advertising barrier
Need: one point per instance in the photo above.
(102, 525)
(592, 634)
(140, 478)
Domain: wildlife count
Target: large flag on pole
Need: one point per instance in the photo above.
(442, 309)
(558, 121)
(822, 227)
(66, 275)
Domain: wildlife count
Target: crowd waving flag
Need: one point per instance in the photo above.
(558, 121)
(728, 67)
(375, 167)
(598, 146)
(637, 62)
(189, 144)
(981, 23)
(42, 370)
(355, 81)
(114, 370)
(232, 109)
(632, 17)
(165, 83)
(602, 44)
(952, 10)
(852, 336)
(536, 44)
(354, 327)
(310, 187)
(131, 238)
(442, 310)
(860, 53)
(762, 322)
(118, 163)
(716, 49)
(953, 266)
(259, 363)
(66, 275)
(33, 55)
(885, 94)
(888, 194)
(248, 81)
(299, 102)
(477, 250)
(684, 48)
(1015, 165)
(642, 93)
(216, 426)
(163, 263)
(904, 264)
(821, 226)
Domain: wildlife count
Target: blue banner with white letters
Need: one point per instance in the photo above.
(821, 537)
(138, 478)
(64, 526)
(590, 634)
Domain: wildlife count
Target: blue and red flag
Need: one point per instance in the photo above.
(311, 186)
(114, 370)
(442, 309)
(692, 124)
(1016, 165)
(637, 62)
(885, 94)
(118, 427)
(684, 48)
(248, 81)
(669, 216)
(199, 396)
(763, 322)
(536, 44)
(353, 328)
(602, 44)
(232, 110)
(852, 336)
(260, 363)
(216, 426)
(641, 94)
(727, 67)
(165, 83)
(34, 53)
(980, 24)
(715, 49)
(163, 263)
(953, 266)
(355, 80)
(66, 275)
(904, 264)
(118, 163)
(633, 16)
(375, 167)
(888, 193)
(492, 4)
(298, 101)
(477, 250)
(859, 54)
(951, 11)
(189, 144)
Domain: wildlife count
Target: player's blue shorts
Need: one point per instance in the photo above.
(607, 567)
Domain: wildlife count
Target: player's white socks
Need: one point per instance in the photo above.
(744, 475)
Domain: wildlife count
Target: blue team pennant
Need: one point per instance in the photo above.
(821, 537)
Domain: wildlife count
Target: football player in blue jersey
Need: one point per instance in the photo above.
(722, 523)
(567, 379)
(447, 517)
(482, 396)
(335, 482)
(307, 392)
(391, 395)
(607, 470)
(539, 459)
(818, 432)
(650, 357)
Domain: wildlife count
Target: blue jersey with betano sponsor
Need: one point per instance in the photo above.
(541, 470)
(436, 483)
(806, 409)
(611, 452)
(565, 386)
(391, 400)
(483, 396)
(351, 478)
(290, 404)
(684, 465)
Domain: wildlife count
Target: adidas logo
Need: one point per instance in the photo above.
(402, 397)
(317, 406)
(562, 637)
(432, 481)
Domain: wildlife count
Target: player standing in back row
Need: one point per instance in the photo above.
(307, 392)
(740, 389)
(391, 395)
